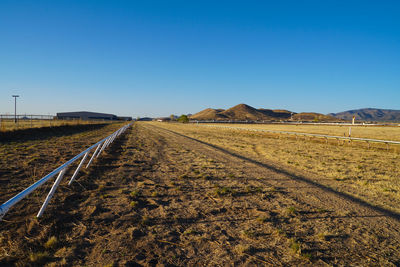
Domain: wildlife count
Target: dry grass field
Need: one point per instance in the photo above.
(374, 132)
(370, 174)
(166, 194)
(10, 125)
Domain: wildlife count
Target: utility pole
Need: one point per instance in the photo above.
(15, 107)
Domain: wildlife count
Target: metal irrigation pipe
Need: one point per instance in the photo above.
(60, 171)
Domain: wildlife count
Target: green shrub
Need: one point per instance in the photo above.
(183, 119)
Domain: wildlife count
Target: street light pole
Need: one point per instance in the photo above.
(15, 108)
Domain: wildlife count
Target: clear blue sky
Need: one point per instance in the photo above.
(151, 58)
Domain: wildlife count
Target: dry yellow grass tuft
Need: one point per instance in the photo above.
(51, 242)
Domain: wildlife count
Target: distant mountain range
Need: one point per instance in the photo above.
(243, 112)
(370, 114)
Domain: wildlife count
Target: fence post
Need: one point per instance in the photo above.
(103, 147)
(52, 191)
(78, 168)
(94, 154)
(111, 140)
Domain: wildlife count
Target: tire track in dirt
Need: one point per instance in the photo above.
(176, 219)
(375, 232)
(158, 197)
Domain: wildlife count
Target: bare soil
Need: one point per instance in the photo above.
(158, 197)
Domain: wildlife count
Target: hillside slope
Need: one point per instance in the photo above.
(209, 114)
(312, 116)
(245, 112)
(242, 112)
(370, 114)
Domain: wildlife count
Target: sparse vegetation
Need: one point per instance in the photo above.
(51, 243)
(184, 176)
(252, 189)
(321, 236)
(291, 210)
(249, 233)
(38, 257)
(367, 173)
(223, 190)
(134, 204)
(242, 249)
(191, 231)
(307, 255)
(145, 220)
(246, 213)
(135, 194)
(295, 246)
(280, 232)
(262, 219)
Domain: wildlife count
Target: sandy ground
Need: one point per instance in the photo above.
(158, 197)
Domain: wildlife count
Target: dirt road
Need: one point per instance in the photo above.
(160, 197)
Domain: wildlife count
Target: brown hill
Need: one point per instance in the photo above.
(277, 113)
(245, 112)
(242, 112)
(209, 114)
(312, 116)
(283, 111)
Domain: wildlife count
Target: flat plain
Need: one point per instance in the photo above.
(185, 195)
(362, 131)
(369, 172)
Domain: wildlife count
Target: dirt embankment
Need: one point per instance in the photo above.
(159, 197)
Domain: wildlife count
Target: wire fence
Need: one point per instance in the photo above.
(326, 137)
(296, 123)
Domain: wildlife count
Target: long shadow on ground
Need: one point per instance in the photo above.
(361, 202)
